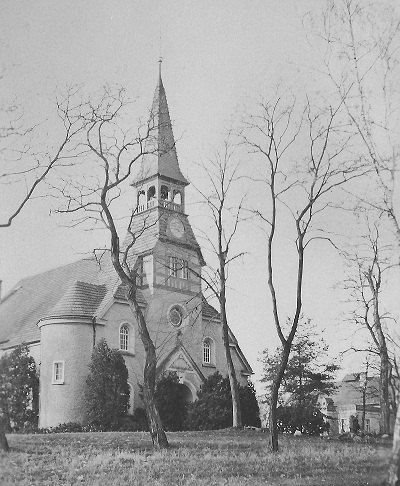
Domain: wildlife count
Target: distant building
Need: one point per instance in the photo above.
(356, 396)
(62, 313)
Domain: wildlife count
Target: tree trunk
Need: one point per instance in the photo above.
(394, 471)
(3, 439)
(157, 433)
(273, 409)
(380, 340)
(384, 422)
(236, 410)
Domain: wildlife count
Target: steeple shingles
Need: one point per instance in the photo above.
(162, 159)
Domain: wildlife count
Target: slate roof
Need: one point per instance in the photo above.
(162, 159)
(208, 310)
(80, 299)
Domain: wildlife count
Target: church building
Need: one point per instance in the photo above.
(61, 314)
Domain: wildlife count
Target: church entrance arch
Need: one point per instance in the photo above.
(189, 391)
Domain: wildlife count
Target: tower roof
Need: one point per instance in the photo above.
(162, 159)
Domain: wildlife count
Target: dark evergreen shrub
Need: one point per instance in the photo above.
(171, 401)
(308, 419)
(213, 408)
(107, 389)
(19, 389)
(136, 422)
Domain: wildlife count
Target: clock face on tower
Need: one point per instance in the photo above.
(176, 227)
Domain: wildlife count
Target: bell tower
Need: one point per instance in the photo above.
(165, 243)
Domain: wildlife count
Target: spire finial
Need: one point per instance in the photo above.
(159, 65)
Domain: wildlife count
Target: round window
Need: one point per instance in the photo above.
(176, 316)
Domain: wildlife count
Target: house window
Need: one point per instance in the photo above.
(367, 425)
(58, 372)
(208, 352)
(124, 338)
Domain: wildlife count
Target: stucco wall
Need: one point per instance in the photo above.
(71, 343)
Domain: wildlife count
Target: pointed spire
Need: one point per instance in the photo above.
(164, 160)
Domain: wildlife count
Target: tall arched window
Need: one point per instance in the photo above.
(124, 338)
(141, 200)
(151, 193)
(207, 351)
(164, 192)
(177, 197)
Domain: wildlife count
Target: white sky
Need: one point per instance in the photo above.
(217, 56)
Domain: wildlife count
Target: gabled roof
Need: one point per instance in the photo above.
(350, 391)
(178, 359)
(162, 159)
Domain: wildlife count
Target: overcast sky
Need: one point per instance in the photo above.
(217, 57)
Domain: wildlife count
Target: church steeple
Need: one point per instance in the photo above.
(162, 160)
(160, 207)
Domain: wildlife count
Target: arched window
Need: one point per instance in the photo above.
(151, 193)
(141, 198)
(164, 192)
(177, 197)
(124, 338)
(208, 352)
(127, 338)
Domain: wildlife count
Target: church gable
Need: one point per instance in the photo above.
(180, 362)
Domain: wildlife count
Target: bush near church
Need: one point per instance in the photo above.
(107, 390)
(19, 390)
(213, 408)
(171, 401)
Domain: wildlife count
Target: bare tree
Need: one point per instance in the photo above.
(302, 183)
(222, 174)
(108, 157)
(361, 57)
(21, 161)
(369, 266)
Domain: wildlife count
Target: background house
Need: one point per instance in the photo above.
(357, 397)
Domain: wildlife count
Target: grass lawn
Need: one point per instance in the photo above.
(194, 458)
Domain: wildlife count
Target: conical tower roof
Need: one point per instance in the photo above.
(162, 159)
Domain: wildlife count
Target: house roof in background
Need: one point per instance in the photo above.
(351, 390)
